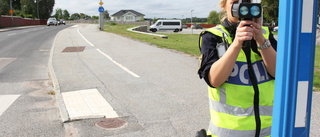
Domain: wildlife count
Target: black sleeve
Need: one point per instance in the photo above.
(209, 55)
(273, 41)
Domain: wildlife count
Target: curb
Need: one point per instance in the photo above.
(63, 110)
(132, 30)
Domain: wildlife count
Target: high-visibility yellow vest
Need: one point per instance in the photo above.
(232, 107)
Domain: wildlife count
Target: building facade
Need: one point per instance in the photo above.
(127, 16)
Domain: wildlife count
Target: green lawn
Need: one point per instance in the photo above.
(188, 43)
(316, 77)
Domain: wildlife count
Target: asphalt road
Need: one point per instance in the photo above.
(166, 99)
(26, 108)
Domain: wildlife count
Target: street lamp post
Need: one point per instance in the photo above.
(262, 14)
(37, 1)
(191, 22)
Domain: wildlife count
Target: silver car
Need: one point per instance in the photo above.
(52, 21)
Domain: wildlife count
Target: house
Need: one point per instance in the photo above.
(127, 15)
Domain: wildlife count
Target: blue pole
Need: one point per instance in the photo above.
(295, 65)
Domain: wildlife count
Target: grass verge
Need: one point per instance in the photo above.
(316, 76)
(188, 43)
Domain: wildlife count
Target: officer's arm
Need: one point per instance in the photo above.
(269, 56)
(222, 68)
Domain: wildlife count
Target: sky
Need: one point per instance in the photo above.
(150, 8)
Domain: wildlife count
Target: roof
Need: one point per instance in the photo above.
(122, 12)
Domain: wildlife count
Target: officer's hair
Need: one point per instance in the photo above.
(223, 14)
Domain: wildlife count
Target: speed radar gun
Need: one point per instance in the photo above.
(246, 10)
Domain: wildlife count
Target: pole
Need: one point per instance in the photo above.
(101, 16)
(191, 22)
(262, 15)
(295, 65)
(11, 13)
(101, 21)
(38, 11)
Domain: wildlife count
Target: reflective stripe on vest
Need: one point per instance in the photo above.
(223, 132)
(238, 111)
(232, 104)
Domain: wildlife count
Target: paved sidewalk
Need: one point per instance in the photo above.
(72, 73)
(153, 89)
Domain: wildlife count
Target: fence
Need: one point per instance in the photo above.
(142, 23)
(6, 21)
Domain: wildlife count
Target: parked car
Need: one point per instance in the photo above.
(52, 21)
(62, 21)
(184, 26)
(174, 25)
(196, 26)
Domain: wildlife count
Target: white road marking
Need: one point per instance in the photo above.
(122, 67)
(106, 55)
(87, 104)
(85, 38)
(5, 61)
(6, 101)
(12, 34)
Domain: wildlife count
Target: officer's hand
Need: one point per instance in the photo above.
(257, 31)
(244, 32)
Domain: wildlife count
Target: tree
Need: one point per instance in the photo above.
(213, 18)
(58, 14)
(106, 15)
(75, 16)
(45, 8)
(4, 7)
(95, 17)
(155, 19)
(270, 10)
(141, 19)
(66, 15)
(28, 8)
(16, 5)
(84, 16)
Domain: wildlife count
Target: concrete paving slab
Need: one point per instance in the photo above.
(87, 104)
(6, 101)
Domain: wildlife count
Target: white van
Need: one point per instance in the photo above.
(174, 25)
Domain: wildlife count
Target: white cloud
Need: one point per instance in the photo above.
(150, 8)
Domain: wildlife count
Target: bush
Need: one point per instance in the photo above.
(113, 23)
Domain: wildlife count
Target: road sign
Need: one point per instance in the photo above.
(101, 9)
(101, 3)
(11, 11)
(295, 65)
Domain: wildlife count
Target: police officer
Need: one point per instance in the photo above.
(240, 77)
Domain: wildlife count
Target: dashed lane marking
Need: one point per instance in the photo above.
(6, 101)
(118, 64)
(5, 61)
(12, 34)
(109, 57)
(87, 104)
